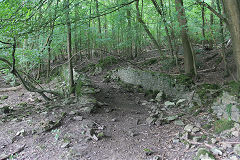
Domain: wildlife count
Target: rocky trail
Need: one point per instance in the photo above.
(112, 121)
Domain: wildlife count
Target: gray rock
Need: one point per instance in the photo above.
(237, 126)
(72, 113)
(197, 139)
(172, 118)
(180, 102)
(216, 151)
(149, 81)
(188, 128)
(157, 158)
(204, 154)
(226, 145)
(65, 145)
(113, 120)
(78, 118)
(169, 104)
(67, 101)
(179, 123)
(235, 133)
(226, 106)
(132, 133)
(160, 96)
(176, 140)
(21, 133)
(213, 140)
(151, 120)
(234, 158)
(185, 136)
(195, 129)
(236, 149)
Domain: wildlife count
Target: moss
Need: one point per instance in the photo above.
(203, 151)
(3, 97)
(233, 88)
(184, 80)
(203, 137)
(222, 125)
(108, 61)
(205, 92)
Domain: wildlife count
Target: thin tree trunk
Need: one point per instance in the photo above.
(203, 25)
(129, 36)
(189, 60)
(222, 41)
(69, 48)
(146, 28)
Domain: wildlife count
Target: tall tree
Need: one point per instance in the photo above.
(189, 60)
(232, 10)
(69, 46)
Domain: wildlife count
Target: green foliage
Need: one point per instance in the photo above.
(233, 88)
(208, 92)
(229, 111)
(222, 125)
(150, 62)
(203, 151)
(184, 80)
(9, 77)
(108, 61)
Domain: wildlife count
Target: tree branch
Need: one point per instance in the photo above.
(219, 15)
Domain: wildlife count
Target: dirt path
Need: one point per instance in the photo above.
(127, 135)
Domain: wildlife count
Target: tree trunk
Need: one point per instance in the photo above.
(222, 41)
(232, 10)
(129, 36)
(69, 48)
(140, 20)
(203, 26)
(189, 61)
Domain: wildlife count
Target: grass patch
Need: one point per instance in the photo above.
(222, 125)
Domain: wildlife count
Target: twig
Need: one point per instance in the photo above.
(207, 70)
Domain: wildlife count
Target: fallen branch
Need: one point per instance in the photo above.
(11, 89)
(207, 70)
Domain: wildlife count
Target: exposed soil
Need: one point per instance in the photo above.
(122, 119)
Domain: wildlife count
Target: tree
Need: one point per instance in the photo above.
(232, 10)
(189, 60)
(69, 47)
(139, 17)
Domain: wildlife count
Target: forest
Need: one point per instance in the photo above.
(119, 79)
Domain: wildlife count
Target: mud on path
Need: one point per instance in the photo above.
(127, 135)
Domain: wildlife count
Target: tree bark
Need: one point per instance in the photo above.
(69, 48)
(222, 40)
(232, 10)
(189, 60)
